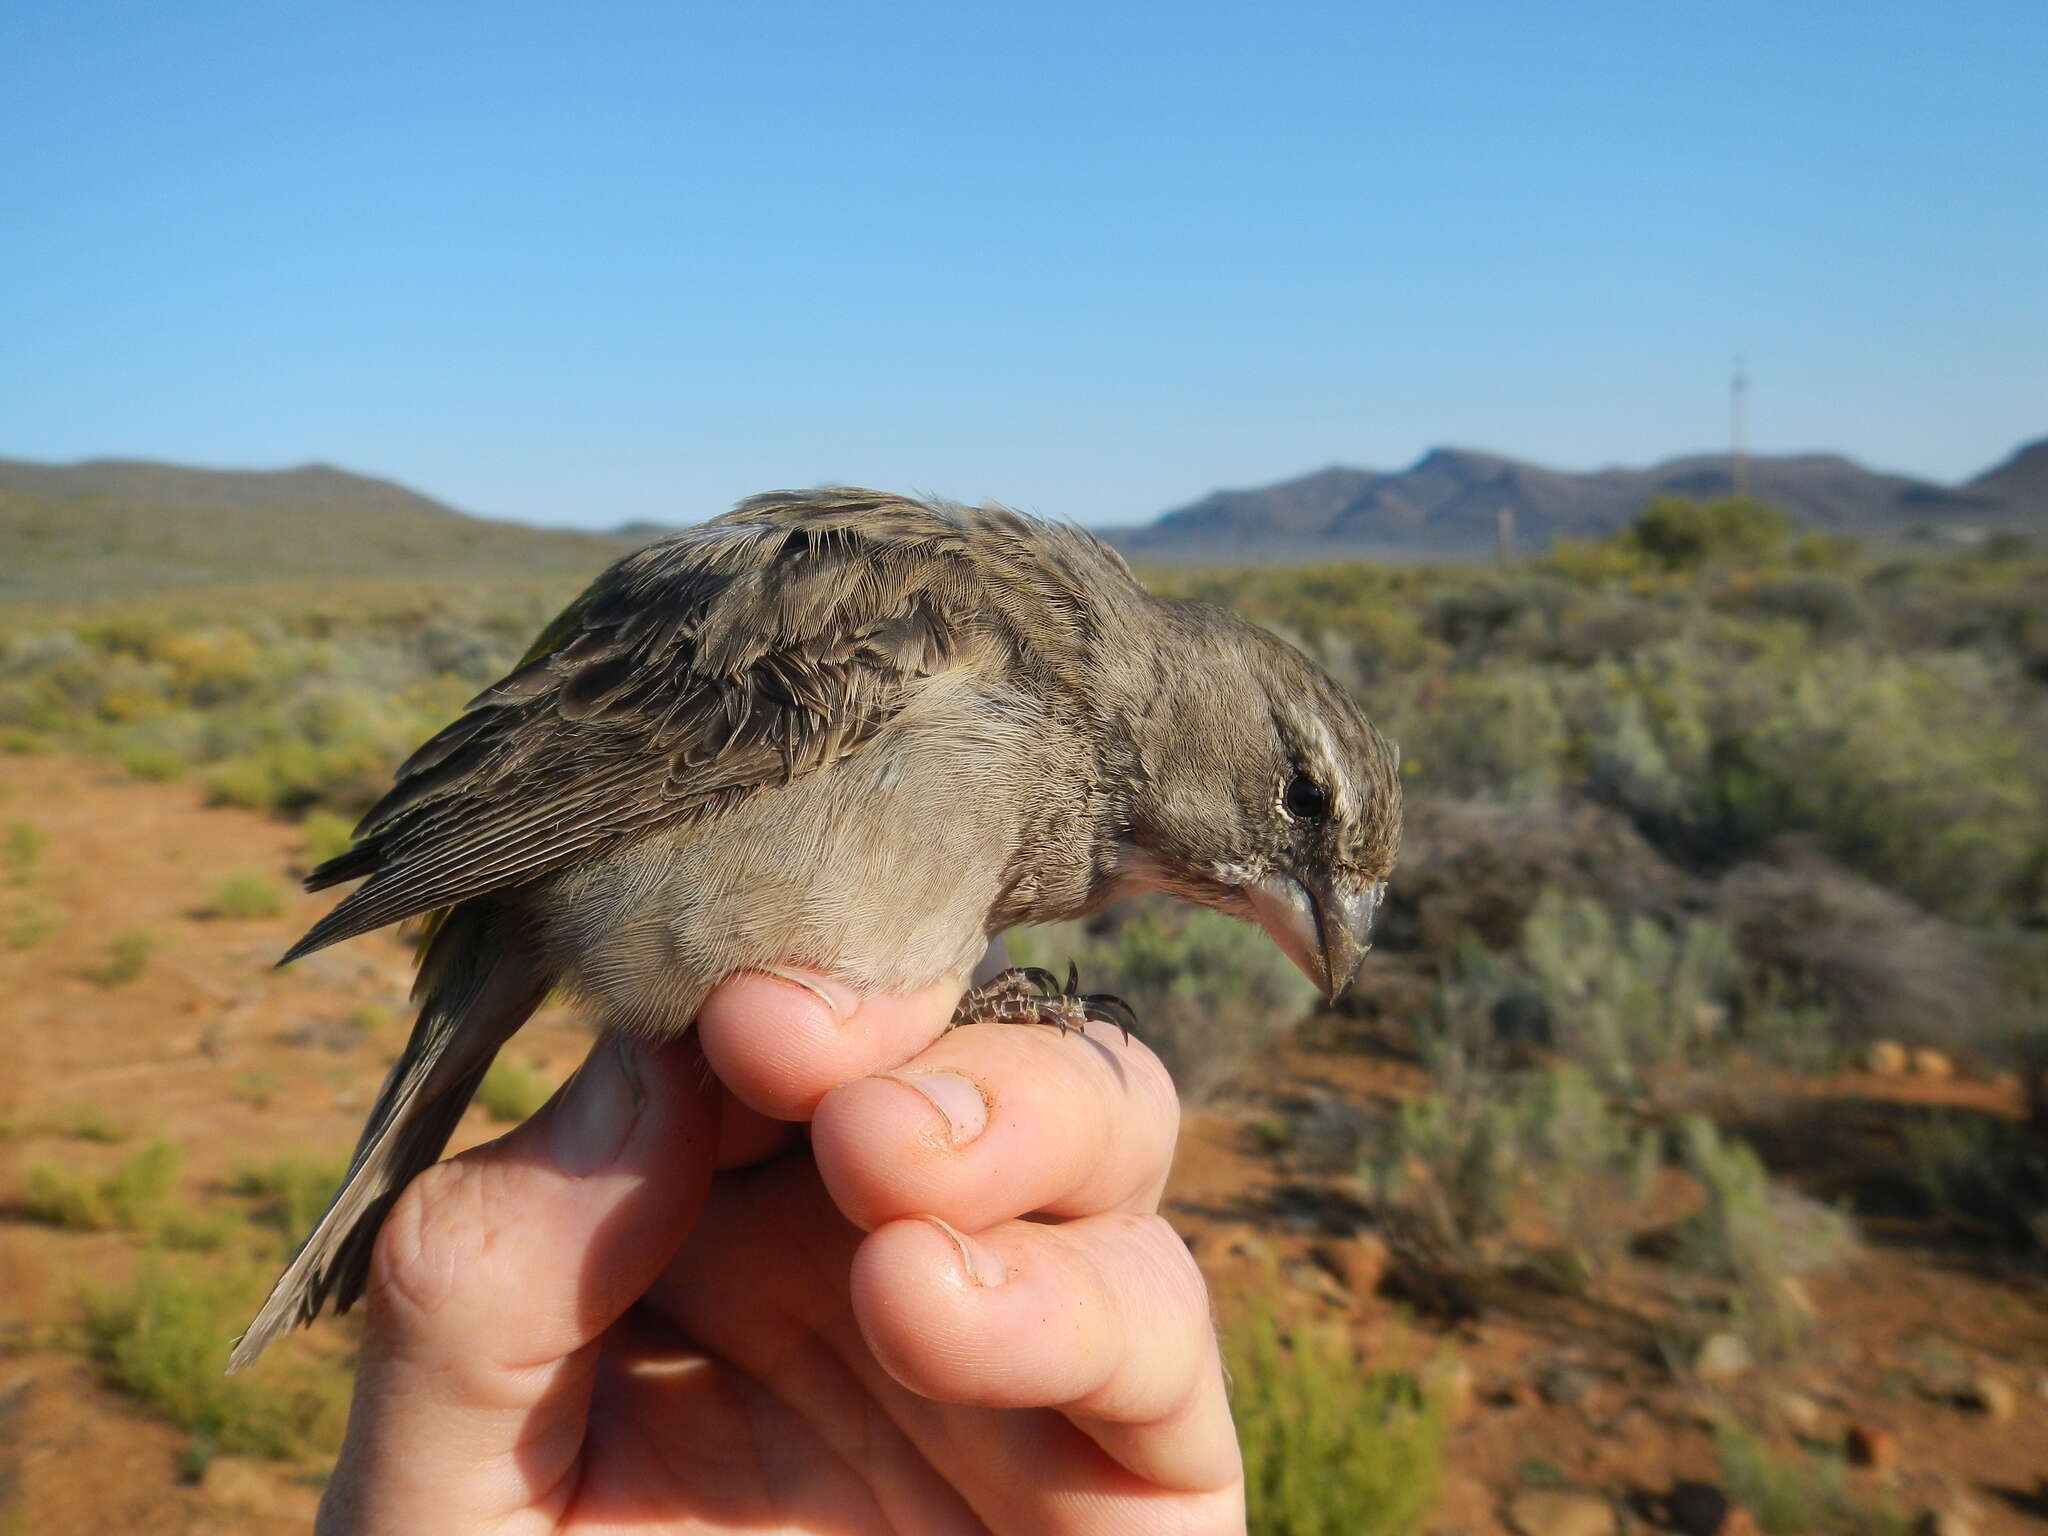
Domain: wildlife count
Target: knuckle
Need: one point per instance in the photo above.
(437, 1232)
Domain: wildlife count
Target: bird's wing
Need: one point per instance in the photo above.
(742, 653)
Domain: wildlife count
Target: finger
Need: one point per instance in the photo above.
(782, 1040)
(492, 1279)
(998, 1121)
(1105, 1319)
(746, 1136)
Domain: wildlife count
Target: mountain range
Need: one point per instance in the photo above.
(112, 526)
(1448, 501)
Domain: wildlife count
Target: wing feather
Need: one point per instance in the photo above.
(743, 653)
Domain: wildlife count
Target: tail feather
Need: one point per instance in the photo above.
(478, 983)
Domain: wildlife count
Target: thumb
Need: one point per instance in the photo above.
(494, 1277)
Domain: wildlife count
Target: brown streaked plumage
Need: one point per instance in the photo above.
(843, 730)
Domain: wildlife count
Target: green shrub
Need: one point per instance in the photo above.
(244, 894)
(28, 923)
(129, 1199)
(255, 1089)
(325, 835)
(513, 1090)
(1625, 1000)
(1754, 1233)
(1680, 534)
(87, 1122)
(151, 760)
(163, 1339)
(1798, 1494)
(1982, 1168)
(24, 850)
(126, 958)
(292, 1191)
(1330, 1447)
(1451, 1172)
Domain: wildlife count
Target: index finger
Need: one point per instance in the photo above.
(781, 1039)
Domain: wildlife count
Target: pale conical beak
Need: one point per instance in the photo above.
(1323, 932)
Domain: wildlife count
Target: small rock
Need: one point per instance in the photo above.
(1722, 1357)
(1871, 1445)
(1559, 1512)
(1799, 1413)
(1359, 1262)
(1886, 1058)
(1448, 1381)
(1991, 1396)
(1565, 1385)
(1943, 1522)
(1932, 1065)
(1695, 1509)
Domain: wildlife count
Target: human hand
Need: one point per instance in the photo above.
(656, 1305)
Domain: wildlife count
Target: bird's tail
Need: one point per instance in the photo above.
(478, 982)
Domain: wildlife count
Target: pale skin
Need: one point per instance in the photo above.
(656, 1306)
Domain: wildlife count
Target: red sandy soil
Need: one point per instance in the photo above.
(237, 1062)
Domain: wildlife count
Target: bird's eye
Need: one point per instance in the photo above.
(1305, 799)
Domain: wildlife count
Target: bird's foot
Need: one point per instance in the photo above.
(1027, 994)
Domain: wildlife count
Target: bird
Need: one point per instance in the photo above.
(845, 730)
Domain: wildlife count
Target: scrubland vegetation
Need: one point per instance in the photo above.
(1693, 811)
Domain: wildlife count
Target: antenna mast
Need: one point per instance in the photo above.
(1738, 426)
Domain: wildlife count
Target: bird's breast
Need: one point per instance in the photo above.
(888, 868)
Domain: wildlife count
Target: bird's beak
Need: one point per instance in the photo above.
(1323, 931)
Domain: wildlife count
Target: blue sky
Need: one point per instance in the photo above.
(579, 264)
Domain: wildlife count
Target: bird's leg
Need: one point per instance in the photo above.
(1026, 994)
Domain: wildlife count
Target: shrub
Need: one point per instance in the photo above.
(513, 1090)
(255, 1089)
(163, 1339)
(128, 1199)
(1797, 1494)
(126, 957)
(1680, 534)
(245, 895)
(1849, 958)
(325, 835)
(293, 1191)
(28, 923)
(1754, 1233)
(87, 1122)
(151, 760)
(1626, 1000)
(1330, 1447)
(24, 849)
(1451, 1171)
(1984, 1169)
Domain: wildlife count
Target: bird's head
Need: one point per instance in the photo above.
(1262, 790)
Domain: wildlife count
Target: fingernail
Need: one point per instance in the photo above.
(836, 995)
(984, 1266)
(959, 1101)
(598, 1110)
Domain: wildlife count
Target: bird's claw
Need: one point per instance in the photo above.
(1030, 994)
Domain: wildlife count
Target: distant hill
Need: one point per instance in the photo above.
(116, 527)
(1447, 501)
(2021, 481)
(139, 482)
